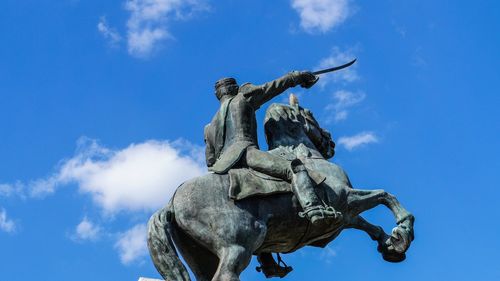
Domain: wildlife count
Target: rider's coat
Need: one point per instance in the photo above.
(234, 127)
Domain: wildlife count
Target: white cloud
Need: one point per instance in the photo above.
(108, 32)
(43, 186)
(86, 230)
(321, 15)
(139, 177)
(338, 57)
(6, 224)
(346, 99)
(342, 101)
(5, 189)
(360, 139)
(147, 25)
(132, 244)
(13, 189)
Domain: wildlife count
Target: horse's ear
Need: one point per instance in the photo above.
(293, 100)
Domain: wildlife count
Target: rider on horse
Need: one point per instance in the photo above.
(217, 234)
(231, 142)
(231, 139)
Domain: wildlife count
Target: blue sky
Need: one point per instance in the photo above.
(103, 105)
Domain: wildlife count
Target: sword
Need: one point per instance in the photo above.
(334, 68)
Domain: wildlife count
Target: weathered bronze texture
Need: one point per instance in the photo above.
(217, 234)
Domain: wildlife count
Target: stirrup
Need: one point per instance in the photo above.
(280, 269)
(274, 271)
(319, 212)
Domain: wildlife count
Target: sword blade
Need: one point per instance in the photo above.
(334, 68)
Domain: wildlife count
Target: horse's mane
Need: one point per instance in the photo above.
(293, 124)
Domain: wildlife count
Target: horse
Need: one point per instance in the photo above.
(217, 236)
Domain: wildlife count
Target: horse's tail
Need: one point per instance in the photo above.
(161, 246)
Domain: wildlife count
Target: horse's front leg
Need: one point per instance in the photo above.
(362, 200)
(378, 234)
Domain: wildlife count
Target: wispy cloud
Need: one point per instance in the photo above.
(132, 245)
(418, 59)
(147, 26)
(8, 190)
(328, 254)
(400, 29)
(335, 58)
(109, 33)
(342, 101)
(358, 140)
(86, 230)
(6, 224)
(321, 15)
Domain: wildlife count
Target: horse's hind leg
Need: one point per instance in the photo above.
(236, 245)
(234, 259)
(201, 261)
(362, 200)
(378, 234)
(230, 233)
(239, 236)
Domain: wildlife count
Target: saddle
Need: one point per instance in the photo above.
(245, 183)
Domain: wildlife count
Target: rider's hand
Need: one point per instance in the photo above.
(307, 79)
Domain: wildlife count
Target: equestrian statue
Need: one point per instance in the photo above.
(256, 202)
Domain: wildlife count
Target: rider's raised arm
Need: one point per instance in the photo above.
(260, 94)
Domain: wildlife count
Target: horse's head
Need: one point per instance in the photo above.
(290, 125)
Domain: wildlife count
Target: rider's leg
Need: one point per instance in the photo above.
(268, 164)
(303, 187)
(295, 171)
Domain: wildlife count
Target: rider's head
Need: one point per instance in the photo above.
(226, 86)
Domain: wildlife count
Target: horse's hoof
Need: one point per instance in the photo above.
(393, 257)
(388, 253)
(400, 239)
(393, 247)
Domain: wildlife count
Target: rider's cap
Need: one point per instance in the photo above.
(224, 82)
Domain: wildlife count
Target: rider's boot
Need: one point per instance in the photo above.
(303, 188)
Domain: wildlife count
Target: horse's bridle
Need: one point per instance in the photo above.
(324, 141)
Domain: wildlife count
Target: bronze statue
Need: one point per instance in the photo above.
(248, 205)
